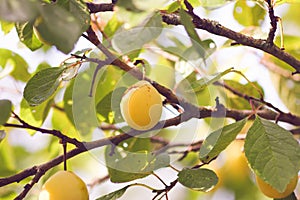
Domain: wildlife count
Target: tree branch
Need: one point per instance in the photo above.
(38, 171)
(217, 29)
(56, 133)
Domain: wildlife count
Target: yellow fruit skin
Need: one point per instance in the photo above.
(64, 185)
(141, 106)
(269, 191)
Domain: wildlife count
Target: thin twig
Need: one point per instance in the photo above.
(273, 22)
(56, 133)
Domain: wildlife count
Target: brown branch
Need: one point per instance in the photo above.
(204, 113)
(217, 29)
(281, 116)
(273, 22)
(38, 171)
(53, 132)
(103, 7)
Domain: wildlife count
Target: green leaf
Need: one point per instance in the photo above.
(6, 108)
(12, 63)
(218, 140)
(27, 36)
(6, 27)
(68, 101)
(189, 27)
(288, 91)
(42, 85)
(36, 115)
(248, 15)
(138, 36)
(199, 51)
(2, 135)
(163, 66)
(173, 7)
(291, 45)
(159, 161)
(125, 168)
(207, 80)
(112, 26)
(213, 4)
(61, 122)
(47, 28)
(126, 165)
(139, 6)
(18, 10)
(8, 159)
(272, 153)
(106, 107)
(198, 179)
(114, 195)
(236, 102)
(79, 10)
(195, 3)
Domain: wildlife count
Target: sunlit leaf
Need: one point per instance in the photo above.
(166, 67)
(186, 21)
(112, 26)
(248, 15)
(218, 140)
(14, 65)
(6, 108)
(214, 4)
(68, 102)
(272, 153)
(291, 45)
(61, 122)
(6, 27)
(288, 91)
(114, 195)
(174, 6)
(27, 36)
(36, 115)
(138, 36)
(125, 168)
(198, 179)
(203, 82)
(251, 89)
(42, 85)
(138, 6)
(106, 106)
(129, 164)
(7, 158)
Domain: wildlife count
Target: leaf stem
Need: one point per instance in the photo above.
(143, 185)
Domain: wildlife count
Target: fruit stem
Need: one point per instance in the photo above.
(65, 154)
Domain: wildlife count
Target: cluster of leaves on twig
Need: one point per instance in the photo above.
(271, 150)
